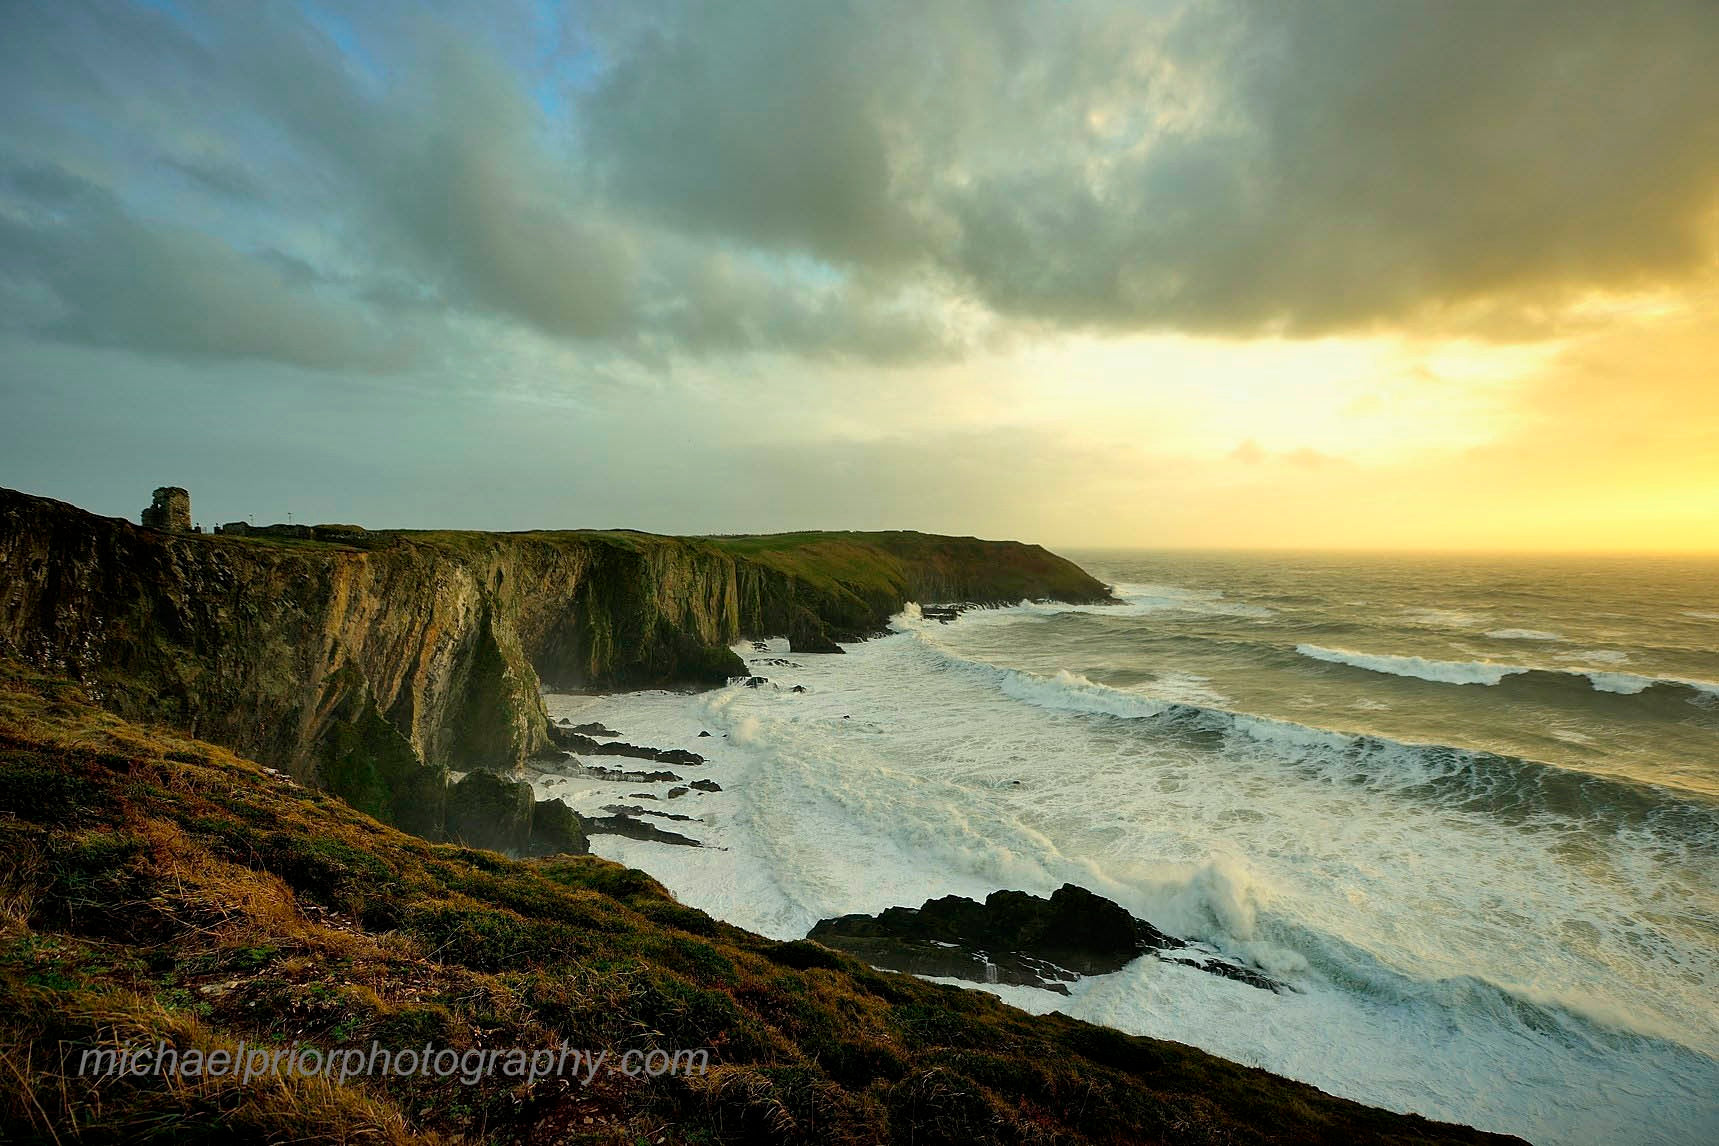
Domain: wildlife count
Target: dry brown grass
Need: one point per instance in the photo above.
(154, 888)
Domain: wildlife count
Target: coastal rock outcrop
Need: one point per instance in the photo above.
(485, 810)
(625, 824)
(1012, 937)
(489, 811)
(571, 741)
(556, 830)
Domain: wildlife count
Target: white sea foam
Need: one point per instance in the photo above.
(1492, 673)
(1624, 683)
(1597, 656)
(1445, 962)
(1133, 600)
(1445, 618)
(1441, 672)
(1186, 688)
(1630, 684)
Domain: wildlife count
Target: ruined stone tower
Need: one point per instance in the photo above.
(170, 511)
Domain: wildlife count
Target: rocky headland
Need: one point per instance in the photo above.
(372, 663)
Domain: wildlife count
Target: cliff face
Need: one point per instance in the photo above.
(362, 667)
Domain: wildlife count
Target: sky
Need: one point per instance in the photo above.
(1425, 274)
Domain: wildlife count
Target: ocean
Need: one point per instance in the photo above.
(1467, 808)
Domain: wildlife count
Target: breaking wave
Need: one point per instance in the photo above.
(1510, 787)
(1494, 673)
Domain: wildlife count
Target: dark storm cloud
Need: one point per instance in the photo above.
(1315, 164)
(421, 182)
(879, 181)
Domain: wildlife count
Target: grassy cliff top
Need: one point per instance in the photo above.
(895, 562)
(154, 887)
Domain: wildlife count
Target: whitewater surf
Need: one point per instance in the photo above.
(1496, 900)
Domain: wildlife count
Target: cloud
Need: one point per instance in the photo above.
(402, 169)
(1307, 166)
(887, 182)
(120, 282)
(1249, 452)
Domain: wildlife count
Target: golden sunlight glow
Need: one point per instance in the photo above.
(1604, 438)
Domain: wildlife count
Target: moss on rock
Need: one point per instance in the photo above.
(490, 811)
(369, 764)
(556, 829)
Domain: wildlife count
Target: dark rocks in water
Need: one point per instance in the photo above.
(594, 729)
(677, 793)
(943, 613)
(703, 733)
(556, 830)
(623, 825)
(707, 785)
(761, 646)
(1012, 937)
(570, 741)
(948, 961)
(756, 681)
(599, 773)
(798, 688)
(636, 810)
(777, 662)
(573, 741)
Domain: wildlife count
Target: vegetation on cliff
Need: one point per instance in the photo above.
(155, 888)
(304, 653)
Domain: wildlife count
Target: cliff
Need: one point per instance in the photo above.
(160, 892)
(374, 666)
